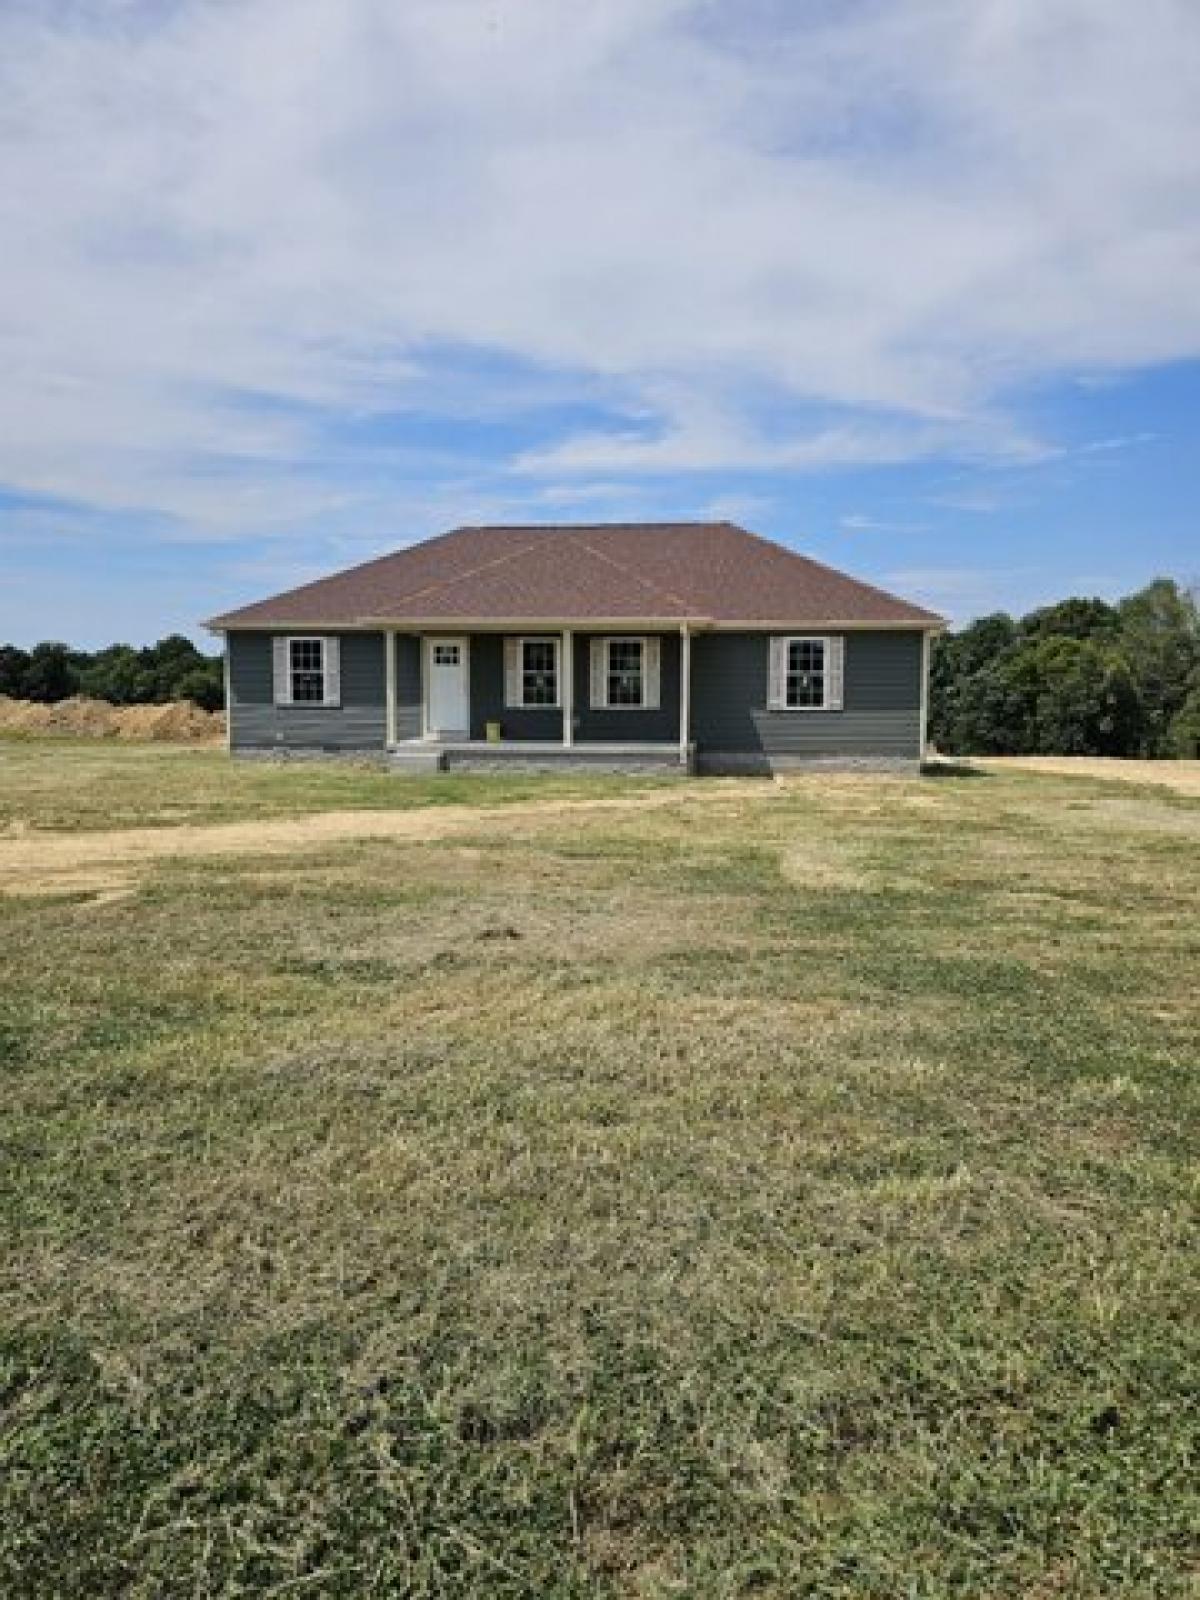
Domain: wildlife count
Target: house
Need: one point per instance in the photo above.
(693, 645)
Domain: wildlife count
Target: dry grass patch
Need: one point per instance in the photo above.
(1181, 776)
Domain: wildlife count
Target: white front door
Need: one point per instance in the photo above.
(446, 674)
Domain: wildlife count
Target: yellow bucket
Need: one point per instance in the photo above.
(493, 732)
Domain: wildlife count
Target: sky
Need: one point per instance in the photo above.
(911, 285)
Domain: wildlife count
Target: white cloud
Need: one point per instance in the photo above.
(885, 213)
(859, 522)
(960, 593)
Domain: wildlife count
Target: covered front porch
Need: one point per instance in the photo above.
(539, 697)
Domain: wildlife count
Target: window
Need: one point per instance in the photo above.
(531, 673)
(625, 677)
(806, 673)
(306, 670)
(446, 655)
(306, 666)
(539, 672)
(804, 686)
(626, 673)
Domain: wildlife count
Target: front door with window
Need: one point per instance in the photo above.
(449, 698)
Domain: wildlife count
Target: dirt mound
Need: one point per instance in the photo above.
(178, 721)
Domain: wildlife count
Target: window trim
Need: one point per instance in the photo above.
(320, 640)
(607, 642)
(520, 640)
(833, 671)
(807, 638)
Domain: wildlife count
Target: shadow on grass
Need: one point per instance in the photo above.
(944, 767)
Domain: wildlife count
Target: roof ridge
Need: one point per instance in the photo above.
(837, 572)
(588, 527)
(468, 572)
(646, 583)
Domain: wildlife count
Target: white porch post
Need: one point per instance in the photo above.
(685, 690)
(423, 648)
(389, 667)
(568, 688)
(924, 734)
(227, 673)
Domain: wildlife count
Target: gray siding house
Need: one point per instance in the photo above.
(698, 646)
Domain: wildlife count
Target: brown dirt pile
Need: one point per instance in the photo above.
(177, 722)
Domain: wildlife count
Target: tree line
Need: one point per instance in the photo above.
(1078, 678)
(172, 669)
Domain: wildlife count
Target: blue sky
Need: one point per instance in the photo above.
(909, 284)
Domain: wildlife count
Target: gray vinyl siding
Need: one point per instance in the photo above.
(409, 717)
(881, 715)
(257, 723)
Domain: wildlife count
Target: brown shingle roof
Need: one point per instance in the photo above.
(611, 572)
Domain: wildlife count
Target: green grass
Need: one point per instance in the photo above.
(789, 1191)
(66, 785)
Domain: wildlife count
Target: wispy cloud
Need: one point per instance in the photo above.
(246, 250)
(1124, 441)
(858, 522)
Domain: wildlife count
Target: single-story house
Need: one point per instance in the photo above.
(693, 645)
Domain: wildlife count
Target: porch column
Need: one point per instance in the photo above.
(685, 690)
(567, 667)
(389, 668)
(227, 674)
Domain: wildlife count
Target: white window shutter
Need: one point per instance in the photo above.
(835, 672)
(777, 675)
(333, 672)
(652, 664)
(513, 698)
(281, 671)
(599, 695)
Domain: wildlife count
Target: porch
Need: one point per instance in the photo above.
(542, 697)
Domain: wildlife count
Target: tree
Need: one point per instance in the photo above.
(204, 686)
(1183, 736)
(1085, 701)
(14, 668)
(119, 675)
(1160, 634)
(993, 711)
(1076, 618)
(52, 674)
(168, 663)
(954, 661)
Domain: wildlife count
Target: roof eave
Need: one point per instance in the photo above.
(931, 624)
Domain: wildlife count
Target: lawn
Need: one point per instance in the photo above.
(67, 784)
(734, 1189)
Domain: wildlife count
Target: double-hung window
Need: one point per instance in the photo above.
(806, 673)
(306, 667)
(806, 679)
(625, 673)
(307, 670)
(532, 673)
